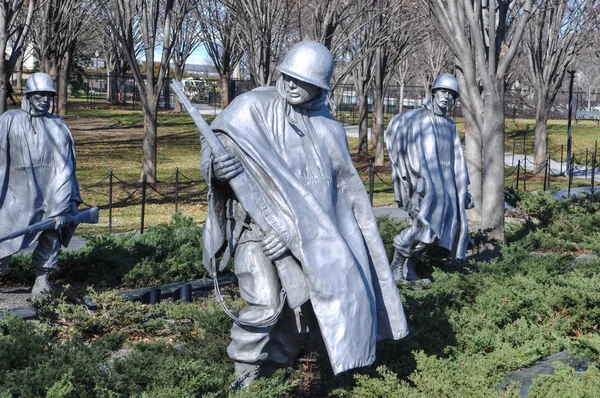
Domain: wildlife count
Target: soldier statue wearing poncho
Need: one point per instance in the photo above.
(430, 179)
(303, 181)
(37, 178)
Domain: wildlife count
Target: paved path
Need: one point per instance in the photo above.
(206, 109)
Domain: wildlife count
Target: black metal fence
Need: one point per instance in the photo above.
(122, 193)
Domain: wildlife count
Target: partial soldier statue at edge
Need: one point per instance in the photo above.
(430, 179)
(296, 156)
(37, 179)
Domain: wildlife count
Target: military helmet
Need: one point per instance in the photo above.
(310, 62)
(447, 81)
(40, 82)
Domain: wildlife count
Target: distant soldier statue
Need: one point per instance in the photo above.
(37, 179)
(295, 156)
(430, 179)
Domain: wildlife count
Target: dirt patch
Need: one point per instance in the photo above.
(92, 127)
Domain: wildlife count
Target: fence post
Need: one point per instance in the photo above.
(371, 181)
(586, 162)
(143, 203)
(593, 171)
(562, 148)
(512, 163)
(110, 200)
(176, 189)
(570, 175)
(525, 174)
(546, 172)
(518, 173)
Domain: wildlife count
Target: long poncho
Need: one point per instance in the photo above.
(37, 174)
(430, 176)
(323, 214)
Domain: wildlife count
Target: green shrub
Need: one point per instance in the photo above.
(166, 253)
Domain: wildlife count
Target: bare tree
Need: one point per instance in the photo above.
(264, 27)
(58, 28)
(153, 21)
(404, 73)
(433, 56)
(15, 21)
(554, 38)
(393, 24)
(587, 77)
(188, 40)
(221, 40)
(484, 36)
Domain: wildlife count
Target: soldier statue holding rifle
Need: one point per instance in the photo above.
(38, 186)
(289, 206)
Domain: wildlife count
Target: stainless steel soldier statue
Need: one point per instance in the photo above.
(37, 179)
(430, 179)
(302, 182)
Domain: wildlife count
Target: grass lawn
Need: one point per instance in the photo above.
(112, 139)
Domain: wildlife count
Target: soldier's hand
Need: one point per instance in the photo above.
(273, 246)
(227, 167)
(60, 221)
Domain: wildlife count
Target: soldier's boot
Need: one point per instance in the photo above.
(409, 272)
(4, 265)
(247, 373)
(42, 283)
(398, 266)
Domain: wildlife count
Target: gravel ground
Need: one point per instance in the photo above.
(14, 297)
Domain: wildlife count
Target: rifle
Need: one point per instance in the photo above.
(88, 216)
(291, 275)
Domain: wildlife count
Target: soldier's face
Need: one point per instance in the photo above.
(298, 92)
(40, 101)
(442, 99)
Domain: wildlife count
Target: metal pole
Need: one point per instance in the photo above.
(110, 200)
(569, 141)
(143, 203)
(176, 189)
(518, 173)
(371, 181)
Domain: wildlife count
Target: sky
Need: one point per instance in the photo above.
(199, 57)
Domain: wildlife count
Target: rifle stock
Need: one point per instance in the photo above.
(290, 273)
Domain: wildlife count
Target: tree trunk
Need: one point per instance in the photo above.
(363, 127)
(149, 144)
(473, 156)
(493, 173)
(377, 123)
(225, 94)
(178, 76)
(63, 78)
(401, 98)
(3, 87)
(541, 136)
(19, 75)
